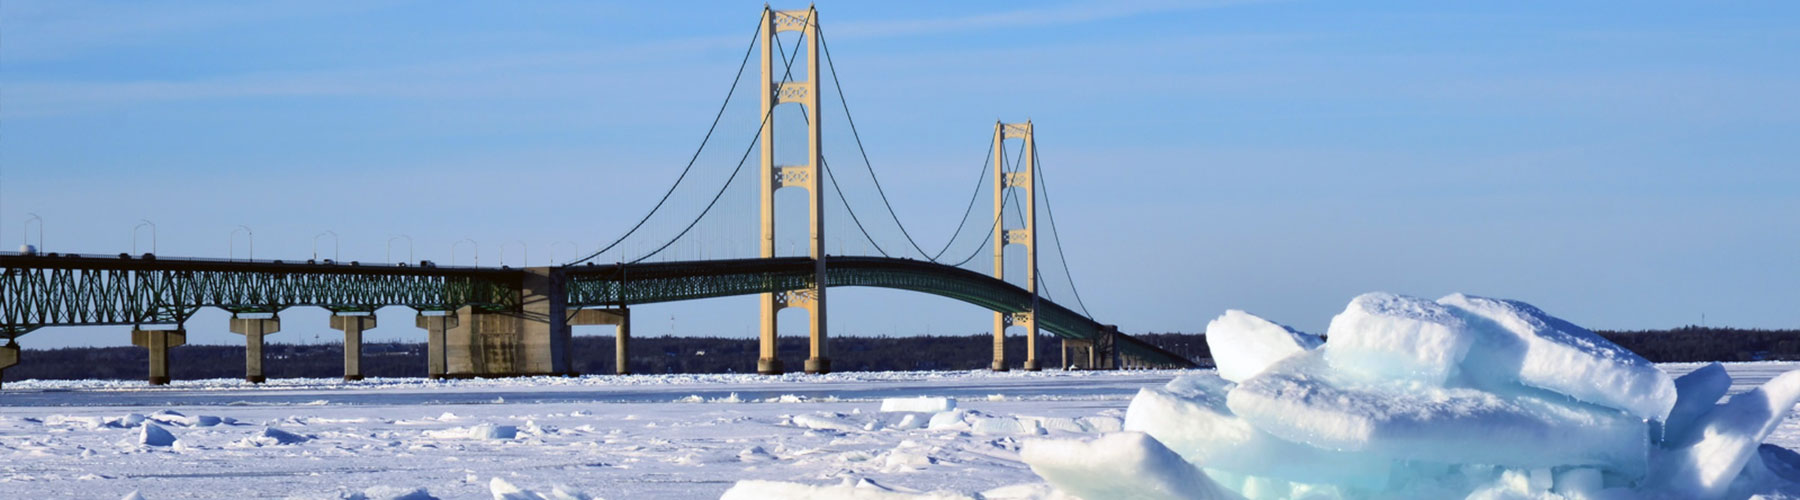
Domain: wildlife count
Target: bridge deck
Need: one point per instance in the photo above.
(65, 290)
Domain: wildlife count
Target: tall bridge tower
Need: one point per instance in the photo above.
(1026, 236)
(778, 90)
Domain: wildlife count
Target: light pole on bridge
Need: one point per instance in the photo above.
(334, 245)
(472, 244)
(409, 248)
(27, 236)
(249, 237)
(134, 235)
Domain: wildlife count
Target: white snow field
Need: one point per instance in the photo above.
(1490, 399)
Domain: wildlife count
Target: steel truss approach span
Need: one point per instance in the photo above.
(39, 290)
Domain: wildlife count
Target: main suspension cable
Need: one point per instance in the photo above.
(692, 160)
(845, 101)
(1056, 236)
(852, 211)
(741, 161)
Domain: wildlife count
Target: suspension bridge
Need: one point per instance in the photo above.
(702, 239)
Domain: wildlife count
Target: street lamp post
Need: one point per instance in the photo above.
(472, 244)
(334, 245)
(134, 235)
(249, 238)
(409, 248)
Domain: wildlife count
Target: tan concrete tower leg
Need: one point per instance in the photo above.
(9, 356)
(768, 361)
(999, 364)
(158, 342)
(253, 330)
(435, 328)
(353, 327)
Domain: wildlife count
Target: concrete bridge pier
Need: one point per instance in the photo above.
(621, 341)
(158, 343)
(352, 326)
(253, 330)
(435, 327)
(9, 356)
(532, 340)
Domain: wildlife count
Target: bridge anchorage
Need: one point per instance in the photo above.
(487, 322)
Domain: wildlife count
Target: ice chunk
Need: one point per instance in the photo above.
(1103, 424)
(1243, 345)
(491, 431)
(134, 495)
(863, 490)
(1202, 430)
(128, 421)
(918, 404)
(154, 435)
(947, 421)
(1383, 335)
(1063, 424)
(393, 493)
(1005, 426)
(1198, 385)
(1699, 391)
(1519, 341)
(824, 423)
(1301, 400)
(1122, 465)
(278, 436)
(1727, 437)
(503, 490)
(909, 422)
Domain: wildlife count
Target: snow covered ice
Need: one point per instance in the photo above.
(1499, 400)
(1463, 397)
(1244, 345)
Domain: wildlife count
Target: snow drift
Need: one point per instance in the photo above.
(1462, 397)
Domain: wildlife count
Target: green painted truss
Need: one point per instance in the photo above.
(64, 290)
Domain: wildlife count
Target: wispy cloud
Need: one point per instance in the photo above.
(53, 30)
(1059, 15)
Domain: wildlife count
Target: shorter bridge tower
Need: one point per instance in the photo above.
(1022, 180)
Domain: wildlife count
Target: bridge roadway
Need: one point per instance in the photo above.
(68, 290)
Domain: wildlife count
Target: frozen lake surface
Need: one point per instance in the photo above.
(645, 436)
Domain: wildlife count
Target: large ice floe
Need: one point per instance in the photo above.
(1462, 397)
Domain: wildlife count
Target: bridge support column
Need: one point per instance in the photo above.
(621, 341)
(808, 176)
(158, 343)
(435, 327)
(352, 326)
(9, 357)
(253, 330)
(1023, 180)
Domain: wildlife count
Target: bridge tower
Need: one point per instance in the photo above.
(777, 90)
(1026, 236)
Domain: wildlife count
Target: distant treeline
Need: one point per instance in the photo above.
(728, 355)
(593, 355)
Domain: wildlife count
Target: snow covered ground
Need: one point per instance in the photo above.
(675, 436)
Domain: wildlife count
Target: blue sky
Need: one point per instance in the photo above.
(1623, 166)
